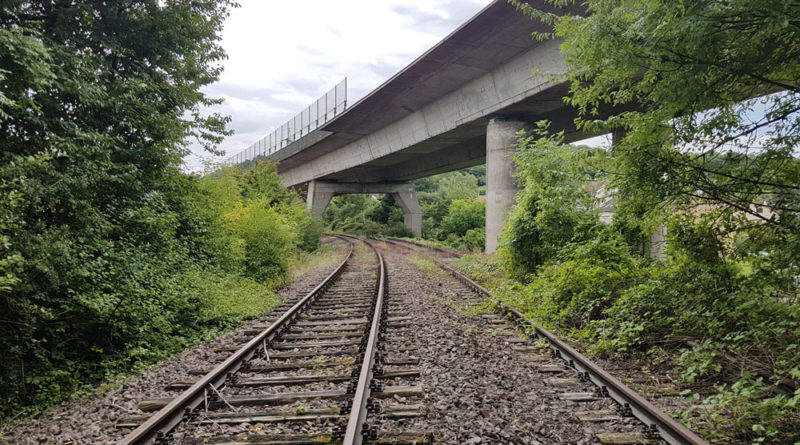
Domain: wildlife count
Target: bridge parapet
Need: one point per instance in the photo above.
(323, 110)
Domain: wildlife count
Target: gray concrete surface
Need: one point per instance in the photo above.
(410, 147)
(432, 116)
(320, 194)
(501, 187)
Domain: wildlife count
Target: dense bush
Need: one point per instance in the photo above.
(555, 206)
(263, 223)
(96, 219)
(462, 216)
(110, 256)
(367, 216)
(193, 260)
(586, 282)
(474, 240)
(451, 211)
(436, 193)
(727, 283)
(451, 208)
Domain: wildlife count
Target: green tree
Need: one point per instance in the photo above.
(555, 206)
(98, 101)
(706, 96)
(263, 222)
(387, 211)
(698, 80)
(435, 194)
(364, 215)
(462, 216)
(347, 210)
(261, 181)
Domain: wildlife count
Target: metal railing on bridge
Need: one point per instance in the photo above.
(317, 114)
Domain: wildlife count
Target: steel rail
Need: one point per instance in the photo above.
(358, 412)
(173, 413)
(668, 428)
(445, 251)
(631, 402)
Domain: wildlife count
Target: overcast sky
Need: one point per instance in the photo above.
(283, 55)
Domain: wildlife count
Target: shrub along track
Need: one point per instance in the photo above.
(93, 418)
(565, 368)
(308, 377)
(428, 367)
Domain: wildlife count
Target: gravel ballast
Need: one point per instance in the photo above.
(481, 387)
(91, 419)
(484, 381)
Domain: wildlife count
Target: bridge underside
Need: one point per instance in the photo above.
(460, 104)
(490, 140)
(461, 147)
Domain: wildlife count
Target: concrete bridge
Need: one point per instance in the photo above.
(460, 104)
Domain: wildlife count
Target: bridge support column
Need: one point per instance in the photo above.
(501, 187)
(406, 198)
(319, 196)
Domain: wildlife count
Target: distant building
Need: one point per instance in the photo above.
(603, 200)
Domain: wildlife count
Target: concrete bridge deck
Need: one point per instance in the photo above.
(459, 104)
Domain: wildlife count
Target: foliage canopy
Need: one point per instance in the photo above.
(110, 256)
(706, 92)
(706, 97)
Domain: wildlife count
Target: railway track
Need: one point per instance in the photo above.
(328, 369)
(342, 365)
(573, 369)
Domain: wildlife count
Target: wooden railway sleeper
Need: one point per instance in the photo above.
(213, 396)
(216, 396)
(668, 429)
(152, 430)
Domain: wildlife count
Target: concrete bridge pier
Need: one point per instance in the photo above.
(320, 194)
(501, 187)
(406, 197)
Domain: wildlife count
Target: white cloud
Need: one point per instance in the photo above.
(284, 55)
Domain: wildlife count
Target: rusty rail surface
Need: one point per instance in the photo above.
(358, 413)
(162, 422)
(631, 402)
